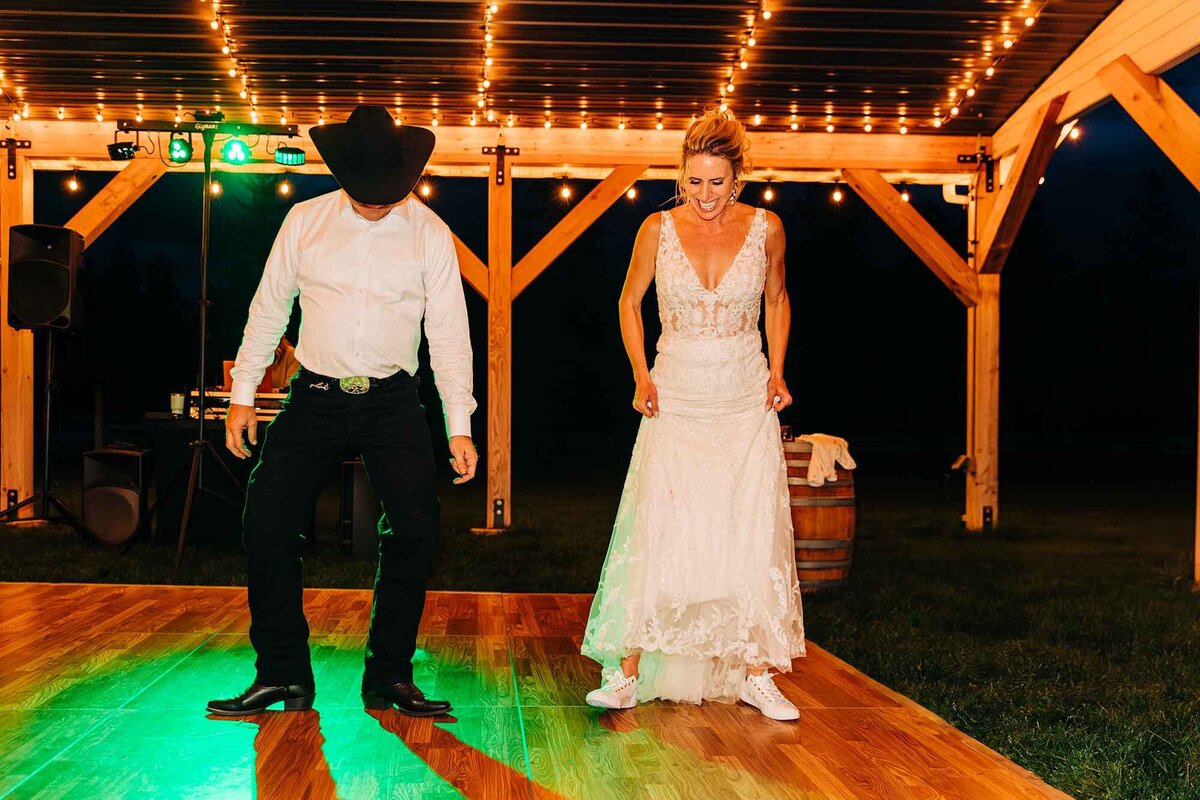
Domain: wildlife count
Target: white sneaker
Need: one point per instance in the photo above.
(761, 692)
(618, 691)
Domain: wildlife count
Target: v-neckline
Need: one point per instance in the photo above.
(732, 263)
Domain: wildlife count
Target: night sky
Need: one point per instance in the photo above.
(1099, 313)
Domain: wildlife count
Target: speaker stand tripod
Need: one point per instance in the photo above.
(200, 446)
(46, 498)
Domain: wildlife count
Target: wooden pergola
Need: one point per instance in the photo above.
(962, 93)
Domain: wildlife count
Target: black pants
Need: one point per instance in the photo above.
(315, 430)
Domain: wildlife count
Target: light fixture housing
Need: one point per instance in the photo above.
(289, 156)
(235, 152)
(122, 151)
(179, 151)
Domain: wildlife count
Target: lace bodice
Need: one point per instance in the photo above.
(689, 310)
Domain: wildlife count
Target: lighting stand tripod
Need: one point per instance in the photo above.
(208, 126)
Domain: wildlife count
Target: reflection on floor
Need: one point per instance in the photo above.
(102, 690)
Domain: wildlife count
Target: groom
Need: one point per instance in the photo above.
(369, 264)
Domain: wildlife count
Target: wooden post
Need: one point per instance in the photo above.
(16, 353)
(983, 377)
(499, 401)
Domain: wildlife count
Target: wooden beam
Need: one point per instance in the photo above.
(543, 171)
(918, 234)
(116, 197)
(474, 271)
(63, 140)
(1015, 197)
(499, 399)
(1159, 111)
(1156, 34)
(571, 226)
(16, 354)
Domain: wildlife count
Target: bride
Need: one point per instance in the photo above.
(698, 597)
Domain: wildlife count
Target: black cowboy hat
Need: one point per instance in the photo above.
(375, 160)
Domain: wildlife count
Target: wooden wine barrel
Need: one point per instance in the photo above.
(822, 519)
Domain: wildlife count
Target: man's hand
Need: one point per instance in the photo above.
(464, 458)
(239, 419)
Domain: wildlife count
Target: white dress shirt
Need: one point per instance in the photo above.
(364, 288)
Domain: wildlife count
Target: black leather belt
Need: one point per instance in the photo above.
(358, 384)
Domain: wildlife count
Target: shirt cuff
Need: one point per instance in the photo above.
(458, 422)
(243, 393)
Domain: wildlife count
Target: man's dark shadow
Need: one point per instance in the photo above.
(472, 772)
(289, 760)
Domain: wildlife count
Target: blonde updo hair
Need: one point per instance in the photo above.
(715, 133)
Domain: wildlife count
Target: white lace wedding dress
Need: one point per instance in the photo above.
(700, 575)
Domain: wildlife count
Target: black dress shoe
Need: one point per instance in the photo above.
(297, 697)
(404, 696)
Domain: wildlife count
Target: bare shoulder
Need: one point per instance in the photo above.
(652, 224)
(774, 223)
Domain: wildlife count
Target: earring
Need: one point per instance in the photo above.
(733, 195)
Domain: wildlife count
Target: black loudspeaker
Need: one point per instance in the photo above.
(43, 263)
(115, 488)
(360, 511)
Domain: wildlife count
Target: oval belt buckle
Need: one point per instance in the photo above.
(356, 384)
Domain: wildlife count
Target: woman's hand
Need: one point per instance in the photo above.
(778, 396)
(645, 397)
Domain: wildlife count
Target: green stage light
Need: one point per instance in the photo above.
(289, 156)
(179, 151)
(235, 152)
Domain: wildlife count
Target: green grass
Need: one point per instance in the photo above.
(1068, 640)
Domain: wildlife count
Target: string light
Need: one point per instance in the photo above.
(426, 190)
(215, 188)
(904, 195)
(631, 193)
(768, 193)
(758, 119)
(565, 191)
(1075, 133)
(837, 193)
(229, 49)
(62, 112)
(73, 183)
(284, 188)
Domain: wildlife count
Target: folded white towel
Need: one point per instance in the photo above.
(826, 452)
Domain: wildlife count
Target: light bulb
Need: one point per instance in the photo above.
(1075, 133)
(954, 111)
(1008, 43)
(904, 195)
(903, 129)
(990, 71)
(565, 193)
(426, 190)
(829, 127)
(768, 194)
(1028, 22)
(744, 64)
(73, 184)
(546, 124)
(867, 128)
(285, 188)
(215, 188)
(795, 125)
(632, 193)
(758, 119)
(971, 92)
(937, 122)
(659, 126)
(751, 41)
(837, 195)
(621, 125)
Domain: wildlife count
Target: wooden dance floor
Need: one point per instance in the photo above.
(102, 692)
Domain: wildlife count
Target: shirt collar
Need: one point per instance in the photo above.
(401, 213)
